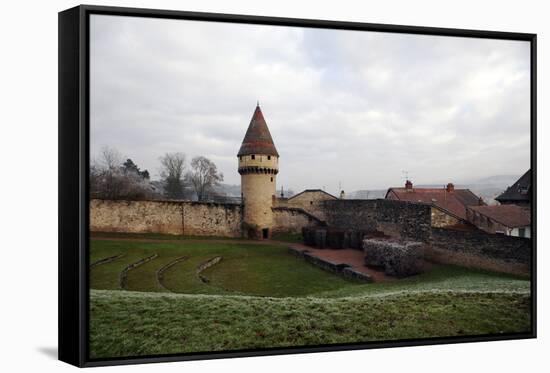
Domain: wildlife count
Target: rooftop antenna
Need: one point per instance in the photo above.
(405, 173)
(258, 103)
(339, 185)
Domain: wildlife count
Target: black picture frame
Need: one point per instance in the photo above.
(74, 163)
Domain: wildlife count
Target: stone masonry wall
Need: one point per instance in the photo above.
(442, 219)
(477, 249)
(292, 220)
(309, 200)
(168, 217)
(397, 219)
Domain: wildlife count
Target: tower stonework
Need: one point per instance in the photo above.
(258, 167)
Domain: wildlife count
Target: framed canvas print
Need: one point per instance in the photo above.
(238, 185)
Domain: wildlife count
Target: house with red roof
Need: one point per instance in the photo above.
(511, 220)
(449, 204)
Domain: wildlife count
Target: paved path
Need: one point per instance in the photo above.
(352, 257)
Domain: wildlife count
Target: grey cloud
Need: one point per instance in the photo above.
(349, 107)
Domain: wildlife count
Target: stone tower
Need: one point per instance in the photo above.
(258, 166)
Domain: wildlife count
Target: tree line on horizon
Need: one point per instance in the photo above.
(113, 178)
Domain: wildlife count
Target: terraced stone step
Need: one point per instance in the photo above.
(124, 273)
(106, 260)
(207, 264)
(164, 268)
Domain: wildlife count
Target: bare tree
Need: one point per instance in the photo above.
(110, 159)
(110, 180)
(172, 171)
(105, 174)
(204, 176)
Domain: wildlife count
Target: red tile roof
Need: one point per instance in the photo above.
(511, 216)
(453, 202)
(257, 139)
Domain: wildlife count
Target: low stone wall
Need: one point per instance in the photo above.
(400, 219)
(164, 268)
(106, 260)
(207, 264)
(396, 258)
(292, 220)
(477, 249)
(124, 273)
(341, 269)
(168, 217)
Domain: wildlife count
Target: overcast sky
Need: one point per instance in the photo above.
(348, 107)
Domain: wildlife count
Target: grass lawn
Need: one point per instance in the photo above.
(260, 296)
(246, 269)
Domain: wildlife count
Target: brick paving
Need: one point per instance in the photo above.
(352, 257)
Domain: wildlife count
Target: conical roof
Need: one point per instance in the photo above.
(257, 139)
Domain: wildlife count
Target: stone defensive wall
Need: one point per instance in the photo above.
(399, 219)
(168, 217)
(477, 249)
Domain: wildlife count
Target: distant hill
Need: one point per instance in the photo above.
(367, 194)
(229, 190)
(488, 188)
(497, 180)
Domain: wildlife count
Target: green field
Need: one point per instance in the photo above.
(260, 296)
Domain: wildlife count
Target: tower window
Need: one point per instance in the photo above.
(240, 157)
(271, 179)
(253, 156)
(268, 157)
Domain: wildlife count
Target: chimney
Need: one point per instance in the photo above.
(342, 195)
(480, 201)
(408, 185)
(450, 187)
